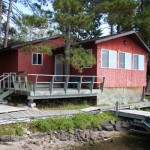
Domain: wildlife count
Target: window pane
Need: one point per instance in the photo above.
(121, 60)
(135, 62)
(105, 58)
(39, 59)
(34, 59)
(112, 59)
(128, 60)
(141, 62)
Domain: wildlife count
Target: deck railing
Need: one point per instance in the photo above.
(68, 81)
(34, 82)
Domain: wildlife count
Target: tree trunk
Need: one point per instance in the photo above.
(111, 30)
(8, 23)
(67, 53)
(1, 2)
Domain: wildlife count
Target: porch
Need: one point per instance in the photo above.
(42, 86)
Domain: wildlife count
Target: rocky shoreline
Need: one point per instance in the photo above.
(54, 140)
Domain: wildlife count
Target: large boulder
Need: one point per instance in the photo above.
(107, 126)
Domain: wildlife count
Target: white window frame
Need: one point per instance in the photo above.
(143, 67)
(108, 59)
(37, 59)
(125, 68)
(91, 56)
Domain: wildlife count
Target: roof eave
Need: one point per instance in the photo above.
(121, 35)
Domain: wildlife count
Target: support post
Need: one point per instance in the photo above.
(66, 84)
(79, 85)
(31, 103)
(117, 108)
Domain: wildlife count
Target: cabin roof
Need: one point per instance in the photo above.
(132, 34)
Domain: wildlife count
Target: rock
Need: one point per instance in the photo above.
(71, 131)
(125, 124)
(36, 142)
(9, 138)
(107, 126)
(112, 122)
(99, 128)
(63, 137)
(119, 127)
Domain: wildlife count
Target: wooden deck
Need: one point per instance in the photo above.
(70, 86)
(134, 114)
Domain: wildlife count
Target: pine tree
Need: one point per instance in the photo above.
(71, 16)
(120, 13)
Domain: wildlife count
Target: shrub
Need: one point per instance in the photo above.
(19, 131)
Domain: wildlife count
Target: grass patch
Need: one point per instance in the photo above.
(82, 121)
(11, 129)
(64, 107)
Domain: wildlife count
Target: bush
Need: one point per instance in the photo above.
(82, 121)
(19, 131)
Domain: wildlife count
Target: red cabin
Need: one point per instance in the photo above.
(121, 58)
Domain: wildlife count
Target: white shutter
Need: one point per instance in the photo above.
(128, 61)
(141, 62)
(112, 59)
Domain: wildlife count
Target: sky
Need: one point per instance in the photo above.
(105, 27)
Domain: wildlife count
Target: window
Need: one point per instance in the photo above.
(125, 60)
(138, 62)
(37, 59)
(90, 51)
(109, 59)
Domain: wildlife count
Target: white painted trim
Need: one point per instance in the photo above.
(108, 58)
(138, 62)
(41, 59)
(125, 60)
(61, 67)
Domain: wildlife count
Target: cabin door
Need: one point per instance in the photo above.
(58, 67)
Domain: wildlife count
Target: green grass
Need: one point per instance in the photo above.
(65, 107)
(11, 129)
(82, 121)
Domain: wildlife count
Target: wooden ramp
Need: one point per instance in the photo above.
(134, 114)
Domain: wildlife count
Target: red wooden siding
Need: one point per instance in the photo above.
(9, 61)
(122, 77)
(25, 64)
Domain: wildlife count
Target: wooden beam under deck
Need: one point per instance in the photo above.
(41, 93)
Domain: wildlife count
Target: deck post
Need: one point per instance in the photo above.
(26, 82)
(117, 108)
(31, 103)
(35, 84)
(102, 84)
(92, 84)
(66, 83)
(14, 82)
(79, 85)
(51, 85)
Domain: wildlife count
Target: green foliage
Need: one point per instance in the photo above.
(11, 129)
(81, 121)
(7, 131)
(41, 125)
(19, 131)
(41, 48)
(120, 12)
(81, 57)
